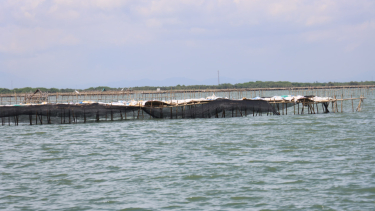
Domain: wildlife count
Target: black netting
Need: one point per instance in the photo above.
(68, 113)
(58, 109)
(221, 108)
(65, 113)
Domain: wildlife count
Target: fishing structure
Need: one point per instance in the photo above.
(80, 107)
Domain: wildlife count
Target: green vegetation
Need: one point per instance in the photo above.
(251, 84)
(31, 90)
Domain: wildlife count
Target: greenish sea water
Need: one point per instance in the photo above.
(293, 162)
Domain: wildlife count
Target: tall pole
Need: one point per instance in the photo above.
(218, 78)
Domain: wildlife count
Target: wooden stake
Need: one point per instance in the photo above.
(286, 109)
(298, 107)
(342, 100)
(359, 104)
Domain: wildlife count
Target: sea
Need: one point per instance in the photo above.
(287, 162)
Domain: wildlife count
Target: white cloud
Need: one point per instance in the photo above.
(351, 47)
(69, 15)
(343, 33)
(101, 4)
(153, 23)
(139, 19)
(315, 20)
(15, 39)
(212, 26)
(197, 30)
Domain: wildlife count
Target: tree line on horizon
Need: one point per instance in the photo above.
(251, 84)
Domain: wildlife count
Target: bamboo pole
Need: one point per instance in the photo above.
(342, 97)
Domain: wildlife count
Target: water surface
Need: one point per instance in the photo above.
(294, 162)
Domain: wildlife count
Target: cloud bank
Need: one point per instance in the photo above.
(65, 42)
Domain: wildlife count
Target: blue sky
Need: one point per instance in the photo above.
(69, 43)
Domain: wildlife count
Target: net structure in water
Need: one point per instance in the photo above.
(72, 113)
(220, 108)
(66, 113)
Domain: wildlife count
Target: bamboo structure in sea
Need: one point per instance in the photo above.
(131, 104)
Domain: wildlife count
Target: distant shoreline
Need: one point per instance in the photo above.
(256, 84)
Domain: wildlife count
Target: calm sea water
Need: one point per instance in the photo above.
(294, 162)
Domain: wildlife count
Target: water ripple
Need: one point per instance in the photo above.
(294, 162)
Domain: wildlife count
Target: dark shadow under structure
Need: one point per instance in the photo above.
(220, 108)
(95, 112)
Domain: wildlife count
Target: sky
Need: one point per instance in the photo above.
(78, 44)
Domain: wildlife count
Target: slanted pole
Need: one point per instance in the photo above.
(308, 109)
(359, 104)
(326, 107)
(49, 116)
(40, 118)
(239, 110)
